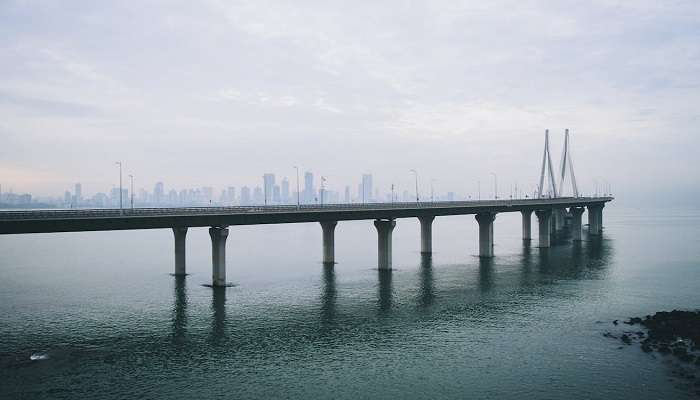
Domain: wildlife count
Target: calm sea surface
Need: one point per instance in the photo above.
(529, 323)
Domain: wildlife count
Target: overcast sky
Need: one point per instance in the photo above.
(216, 93)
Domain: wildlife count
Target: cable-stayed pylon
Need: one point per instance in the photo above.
(547, 169)
(564, 164)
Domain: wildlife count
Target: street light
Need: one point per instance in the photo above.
(416, 175)
(121, 211)
(132, 190)
(495, 185)
(392, 193)
(297, 168)
(323, 187)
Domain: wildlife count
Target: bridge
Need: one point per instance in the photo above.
(554, 212)
(551, 214)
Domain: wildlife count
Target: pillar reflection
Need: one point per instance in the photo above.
(427, 296)
(328, 296)
(179, 315)
(218, 306)
(385, 290)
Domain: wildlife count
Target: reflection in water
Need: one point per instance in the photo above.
(218, 305)
(328, 296)
(485, 273)
(179, 318)
(385, 290)
(427, 295)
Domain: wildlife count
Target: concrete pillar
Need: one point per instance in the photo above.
(328, 241)
(426, 234)
(527, 225)
(595, 219)
(558, 215)
(180, 233)
(544, 219)
(485, 221)
(218, 255)
(384, 229)
(576, 213)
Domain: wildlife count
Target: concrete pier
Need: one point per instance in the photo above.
(485, 221)
(527, 224)
(328, 241)
(384, 229)
(218, 255)
(426, 234)
(180, 235)
(544, 219)
(558, 218)
(576, 227)
(595, 219)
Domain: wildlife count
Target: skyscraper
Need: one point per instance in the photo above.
(366, 188)
(284, 194)
(309, 191)
(347, 194)
(268, 187)
(78, 193)
(245, 196)
(158, 193)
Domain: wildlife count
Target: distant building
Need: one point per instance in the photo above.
(158, 193)
(258, 197)
(367, 188)
(309, 191)
(268, 187)
(245, 196)
(347, 194)
(284, 191)
(78, 195)
(276, 194)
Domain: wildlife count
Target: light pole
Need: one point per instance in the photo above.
(297, 168)
(121, 211)
(131, 177)
(392, 193)
(416, 175)
(432, 193)
(495, 186)
(323, 187)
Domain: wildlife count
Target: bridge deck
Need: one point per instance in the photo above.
(39, 221)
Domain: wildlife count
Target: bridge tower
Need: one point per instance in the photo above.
(547, 170)
(565, 164)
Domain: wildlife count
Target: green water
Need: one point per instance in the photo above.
(528, 323)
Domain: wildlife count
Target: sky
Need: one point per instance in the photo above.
(216, 93)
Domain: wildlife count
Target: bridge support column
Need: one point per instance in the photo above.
(384, 229)
(180, 233)
(426, 234)
(527, 225)
(595, 219)
(485, 221)
(328, 241)
(544, 219)
(558, 218)
(218, 255)
(576, 213)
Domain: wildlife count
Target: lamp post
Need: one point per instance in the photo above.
(392, 193)
(131, 177)
(495, 186)
(415, 173)
(265, 189)
(121, 210)
(323, 188)
(297, 168)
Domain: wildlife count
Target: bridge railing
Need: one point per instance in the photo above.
(175, 211)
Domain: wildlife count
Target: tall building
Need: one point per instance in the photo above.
(367, 188)
(268, 187)
(347, 194)
(284, 191)
(309, 191)
(78, 193)
(230, 195)
(258, 197)
(245, 196)
(158, 193)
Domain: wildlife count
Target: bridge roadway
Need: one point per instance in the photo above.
(550, 213)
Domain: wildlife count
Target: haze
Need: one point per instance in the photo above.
(218, 93)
